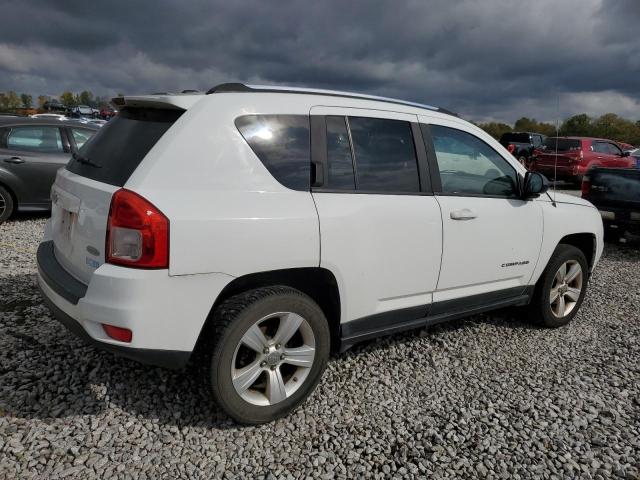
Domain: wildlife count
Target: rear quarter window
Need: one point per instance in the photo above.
(282, 144)
(117, 149)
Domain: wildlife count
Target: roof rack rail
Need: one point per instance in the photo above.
(241, 87)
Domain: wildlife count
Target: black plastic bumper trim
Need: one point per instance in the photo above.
(58, 279)
(173, 359)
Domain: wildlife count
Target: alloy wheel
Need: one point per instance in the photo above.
(3, 204)
(273, 358)
(566, 288)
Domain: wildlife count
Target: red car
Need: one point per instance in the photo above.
(576, 155)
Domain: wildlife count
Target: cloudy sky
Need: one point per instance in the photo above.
(486, 59)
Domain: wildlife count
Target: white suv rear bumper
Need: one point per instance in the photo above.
(165, 313)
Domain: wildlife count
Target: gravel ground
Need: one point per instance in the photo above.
(489, 396)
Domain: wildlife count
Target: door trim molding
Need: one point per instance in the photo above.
(387, 323)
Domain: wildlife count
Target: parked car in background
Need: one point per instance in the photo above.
(81, 111)
(31, 152)
(570, 158)
(522, 145)
(107, 112)
(616, 194)
(635, 153)
(306, 220)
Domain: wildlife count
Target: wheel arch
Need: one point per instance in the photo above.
(318, 283)
(13, 195)
(585, 242)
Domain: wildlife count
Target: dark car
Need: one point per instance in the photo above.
(616, 194)
(522, 145)
(31, 152)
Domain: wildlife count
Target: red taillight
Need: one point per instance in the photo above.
(511, 147)
(586, 186)
(118, 333)
(137, 232)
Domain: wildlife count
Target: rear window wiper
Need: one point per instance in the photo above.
(84, 160)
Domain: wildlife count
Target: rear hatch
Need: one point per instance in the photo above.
(81, 194)
(560, 152)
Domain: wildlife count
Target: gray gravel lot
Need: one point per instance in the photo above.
(490, 396)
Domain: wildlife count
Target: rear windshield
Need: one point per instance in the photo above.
(516, 137)
(564, 144)
(117, 149)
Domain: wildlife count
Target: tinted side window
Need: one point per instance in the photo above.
(35, 138)
(340, 162)
(600, 147)
(282, 144)
(385, 156)
(467, 165)
(613, 149)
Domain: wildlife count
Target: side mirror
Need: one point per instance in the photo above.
(626, 154)
(535, 184)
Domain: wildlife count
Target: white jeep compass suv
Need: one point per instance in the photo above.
(255, 229)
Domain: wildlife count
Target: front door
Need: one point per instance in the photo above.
(491, 238)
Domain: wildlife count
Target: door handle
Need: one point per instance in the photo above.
(14, 160)
(463, 214)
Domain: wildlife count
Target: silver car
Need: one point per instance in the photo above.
(31, 152)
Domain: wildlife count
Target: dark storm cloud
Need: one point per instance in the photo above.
(487, 59)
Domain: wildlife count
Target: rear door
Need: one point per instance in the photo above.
(380, 226)
(491, 238)
(33, 154)
(82, 192)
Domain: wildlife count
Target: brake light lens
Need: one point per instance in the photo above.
(511, 147)
(137, 232)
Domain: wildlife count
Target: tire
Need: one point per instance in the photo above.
(550, 314)
(6, 204)
(235, 322)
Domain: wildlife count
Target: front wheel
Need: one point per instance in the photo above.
(269, 349)
(561, 288)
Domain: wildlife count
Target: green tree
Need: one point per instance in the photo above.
(526, 124)
(613, 127)
(11, 101)
(578, 125)
(495, 129)
(68, 99)
(27, 100)
(42, 99)
(85, 97)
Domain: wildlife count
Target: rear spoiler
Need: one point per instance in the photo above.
(176, 102)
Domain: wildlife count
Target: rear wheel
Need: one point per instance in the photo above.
(561, 288)
(267, 354)
(6, 204)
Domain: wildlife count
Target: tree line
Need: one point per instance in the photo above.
(609, 126)
(11, 101)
